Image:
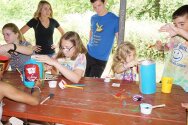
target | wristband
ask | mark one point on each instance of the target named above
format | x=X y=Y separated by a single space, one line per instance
x=33 y=89
x=15 y=47
x=13 y=50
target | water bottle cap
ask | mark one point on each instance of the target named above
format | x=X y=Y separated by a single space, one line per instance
x=147 y=62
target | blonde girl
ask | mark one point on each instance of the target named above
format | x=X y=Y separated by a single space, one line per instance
x=124 y=62
x=70 y=60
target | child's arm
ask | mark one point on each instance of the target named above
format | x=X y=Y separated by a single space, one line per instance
x=130 y=64
x=174 y=31
x=119 y=68
x=125 y=66
x=72 y=75
x=27 y=50
x=160 y=47
x=15 y=94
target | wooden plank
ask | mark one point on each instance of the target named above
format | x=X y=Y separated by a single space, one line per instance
x=122 y=14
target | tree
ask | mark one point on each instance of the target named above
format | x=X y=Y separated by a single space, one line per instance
x=153 y=9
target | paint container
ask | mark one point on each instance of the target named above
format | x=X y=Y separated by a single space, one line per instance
x=138 y=98
x=52 y=84
x=147 y=76
x=146 y=108
x=4 y=61
x=107 y=79
x=167 y=84
x=33 y=70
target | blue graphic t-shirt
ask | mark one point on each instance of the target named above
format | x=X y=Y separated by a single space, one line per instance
x=103 y=30
x=177 y=63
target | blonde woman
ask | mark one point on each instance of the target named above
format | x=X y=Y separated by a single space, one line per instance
x=43 y=24
x=124 y=62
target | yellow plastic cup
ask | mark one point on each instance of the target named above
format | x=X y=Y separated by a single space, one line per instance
x=167 y=84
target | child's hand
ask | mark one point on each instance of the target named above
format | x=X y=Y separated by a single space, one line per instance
x=170 y=28
x=38 y=83
x=37 y=48
x=133 y=63
x=53 y=46
x=47 y=67
x=158 y=45
x=45 y=59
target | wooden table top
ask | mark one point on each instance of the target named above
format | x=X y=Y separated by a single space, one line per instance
x=97 y=105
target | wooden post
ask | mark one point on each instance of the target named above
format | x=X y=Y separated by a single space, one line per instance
x=122 y=15
x=186 y=116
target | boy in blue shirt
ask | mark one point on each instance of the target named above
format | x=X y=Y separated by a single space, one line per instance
x=104 y=28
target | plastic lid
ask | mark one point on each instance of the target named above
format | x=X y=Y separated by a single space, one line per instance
x=147 y=62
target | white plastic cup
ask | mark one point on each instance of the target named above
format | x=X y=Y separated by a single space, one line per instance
x=107 y=79
x=145 y=108
x=52 y=84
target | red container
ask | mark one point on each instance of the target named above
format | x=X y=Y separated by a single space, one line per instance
x=4 y=61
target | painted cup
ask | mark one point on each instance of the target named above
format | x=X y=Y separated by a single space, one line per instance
x=167 y=84
x=145 y=108
x=52 y=84
x=4 y=61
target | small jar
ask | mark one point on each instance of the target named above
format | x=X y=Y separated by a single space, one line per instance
x=107 y=79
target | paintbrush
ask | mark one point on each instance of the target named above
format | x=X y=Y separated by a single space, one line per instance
x=20 y=73
x=78 y=84
x=48 y=79
x=151 y=46
x=72 y=86
x=51 y=95
x=119 y=93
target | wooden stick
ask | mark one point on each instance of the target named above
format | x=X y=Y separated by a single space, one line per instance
x=20 y=73
x=187 y=116
x=49 y=96
x=151 y=46
x=45 y=100
x=158 y=106
x=47 y=79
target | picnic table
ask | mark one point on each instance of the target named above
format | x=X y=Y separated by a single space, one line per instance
x=98 y=103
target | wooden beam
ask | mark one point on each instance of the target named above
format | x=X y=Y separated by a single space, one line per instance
x=122 y=15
